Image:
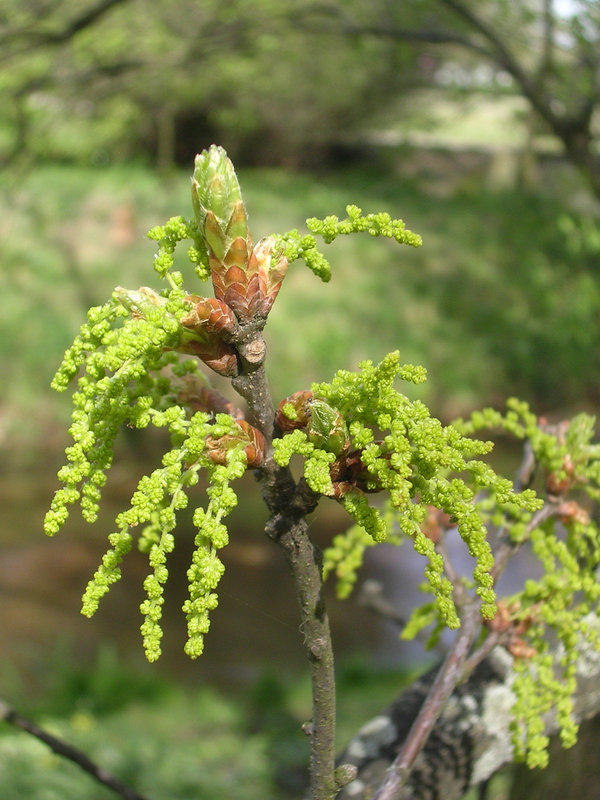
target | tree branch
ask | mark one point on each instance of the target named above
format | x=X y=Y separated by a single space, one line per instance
x=304 y=561
x=445 y=682
x=572 y=129
x=531 y=87
x=508 y=548
x=37 y=38
x=289 y=503
x=471 y=740
x=371 y=597
x=62 y=748
x=345 y=26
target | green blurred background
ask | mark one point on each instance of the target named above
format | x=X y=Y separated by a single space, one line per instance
x=414 y=108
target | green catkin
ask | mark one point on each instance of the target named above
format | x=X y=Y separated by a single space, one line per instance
x=412 y=461
x=344 y=558
x=206 y=569
x=294 y=245
x=123 y=382
x=560 y=601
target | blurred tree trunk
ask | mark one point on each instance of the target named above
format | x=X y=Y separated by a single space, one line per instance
x=561 y=83
x=18 y=152
x=527 y=162
x=165 y=138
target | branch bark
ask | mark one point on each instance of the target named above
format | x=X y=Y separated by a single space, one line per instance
x=471 y=740
x=34 y=37
x=444 y=684
x=289 y=503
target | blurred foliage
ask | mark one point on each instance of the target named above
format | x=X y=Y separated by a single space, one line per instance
x=70 y=685
x=167 y=78
x=167 y=741
x=107 y=80
x=163 y=740
x=187 y=747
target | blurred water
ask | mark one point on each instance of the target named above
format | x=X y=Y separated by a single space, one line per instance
x=255 y=626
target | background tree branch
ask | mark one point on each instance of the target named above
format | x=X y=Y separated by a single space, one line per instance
x=9 y=715
x=471 y=740
x=33 y=37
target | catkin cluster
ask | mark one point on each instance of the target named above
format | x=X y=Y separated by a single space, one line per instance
x=359 y=437
x=130 y=376
x=394 y=446
x=562 y=603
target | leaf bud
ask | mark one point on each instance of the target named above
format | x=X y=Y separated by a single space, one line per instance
x=327 y=428
x=242 y=433
x=270 y=275
x=217 y=201
x=294 y=411
x=209 y=314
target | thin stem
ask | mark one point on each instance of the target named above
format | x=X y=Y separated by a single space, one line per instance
x=304 y=561
x=507 y=548
x=289 y=503
x=252 y=383
x=62 y=748
x=448 y=676
x=493 y=639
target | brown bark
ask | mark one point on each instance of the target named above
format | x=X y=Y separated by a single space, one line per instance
x=289 y=503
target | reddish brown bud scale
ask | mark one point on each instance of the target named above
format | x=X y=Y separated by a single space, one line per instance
x=253 y=442
x=256 y=447
x=216 y=354
x=269 y=289
x=511 y=629
x=435 y=523
x=253 y=295
x=342 y=488
x=559 y=484
x=300 y=401
x=203 y=398
x=231 y=287
x=213 y=315
x=270 y=277
x=502 y=619
x=518 y=648
x=570 y=511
